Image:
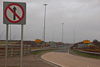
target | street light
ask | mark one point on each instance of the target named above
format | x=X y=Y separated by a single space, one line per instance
x=62 y=32
x=74 y=33
x=44 y=21
x=74 y=36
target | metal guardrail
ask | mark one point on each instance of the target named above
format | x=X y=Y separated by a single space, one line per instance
x=14 y=50
x=89 y=52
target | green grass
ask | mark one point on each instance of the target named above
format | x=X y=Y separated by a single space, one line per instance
x=85 y=54
x=4 y=42
x=8 y=42
x=39 y=52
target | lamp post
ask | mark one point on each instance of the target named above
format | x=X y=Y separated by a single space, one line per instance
x=62 y=32
x=74 y=36
x=44 y=22
x=74 y=33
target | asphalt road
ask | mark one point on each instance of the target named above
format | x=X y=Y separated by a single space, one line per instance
x=63 y=49
x=68 y=60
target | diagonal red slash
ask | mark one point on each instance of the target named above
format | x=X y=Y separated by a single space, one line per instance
x=14 y=13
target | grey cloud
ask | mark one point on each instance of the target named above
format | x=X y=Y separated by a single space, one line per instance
x=81 y=16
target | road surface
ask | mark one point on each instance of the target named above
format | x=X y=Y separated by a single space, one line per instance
x=67 y=60
x=28 y=61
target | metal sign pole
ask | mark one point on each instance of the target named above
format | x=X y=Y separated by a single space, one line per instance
x=21 y=55
x=6 y=47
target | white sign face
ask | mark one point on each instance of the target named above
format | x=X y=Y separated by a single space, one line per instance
x=14 y=13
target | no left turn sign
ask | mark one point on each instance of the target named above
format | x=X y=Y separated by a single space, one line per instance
x=14 y=13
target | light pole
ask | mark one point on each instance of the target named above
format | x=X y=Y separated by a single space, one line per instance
x=62 y=32
x=74 y=36
x=74 y=33
x=44 y=22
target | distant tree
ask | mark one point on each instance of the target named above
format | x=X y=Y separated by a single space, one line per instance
x=95 y=41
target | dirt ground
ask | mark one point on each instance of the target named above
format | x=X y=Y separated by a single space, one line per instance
x=68 y=60
x=28 y=61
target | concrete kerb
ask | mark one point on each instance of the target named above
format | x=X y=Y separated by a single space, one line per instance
x=50 y=62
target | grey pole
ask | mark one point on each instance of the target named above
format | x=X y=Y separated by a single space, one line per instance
x=44 y=23
x=62 y=32
x=10 y=32
x=21 y=53
x=0 y=34
x=74 y=36
x=6 y=47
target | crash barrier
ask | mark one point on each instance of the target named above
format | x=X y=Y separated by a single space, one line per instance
x=89 y=52
x=14 y=50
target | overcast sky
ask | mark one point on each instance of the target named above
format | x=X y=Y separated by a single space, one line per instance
x=81 y=20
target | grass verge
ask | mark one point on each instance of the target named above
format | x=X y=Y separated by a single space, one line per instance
x=40 y=52
x=76 y=52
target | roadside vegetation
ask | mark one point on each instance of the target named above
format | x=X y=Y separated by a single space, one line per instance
x=40 y=52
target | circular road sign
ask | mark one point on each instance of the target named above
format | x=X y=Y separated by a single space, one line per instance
x=14 y=13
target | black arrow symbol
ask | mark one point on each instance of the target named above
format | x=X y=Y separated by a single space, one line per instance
x=14 y=17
